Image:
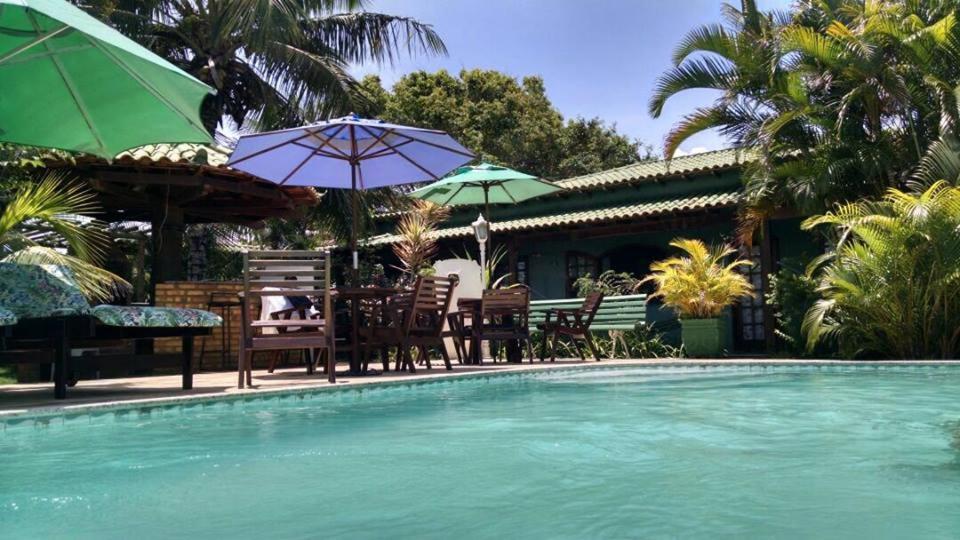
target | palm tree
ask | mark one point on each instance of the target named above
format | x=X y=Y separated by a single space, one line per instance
x=273 y=63
x=741 y=61
x=56 y=213
x=890 y=288
x=838 y=100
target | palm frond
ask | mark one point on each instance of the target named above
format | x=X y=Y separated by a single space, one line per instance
x=700 y=73
x=97 y=284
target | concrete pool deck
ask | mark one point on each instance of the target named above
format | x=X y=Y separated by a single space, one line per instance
x=36 y=400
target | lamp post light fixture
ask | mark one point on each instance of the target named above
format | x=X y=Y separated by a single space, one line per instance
x=481 y=229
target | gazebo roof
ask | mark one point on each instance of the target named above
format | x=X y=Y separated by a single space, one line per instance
x=193 y=177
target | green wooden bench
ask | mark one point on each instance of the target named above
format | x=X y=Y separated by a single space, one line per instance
x=615 y=312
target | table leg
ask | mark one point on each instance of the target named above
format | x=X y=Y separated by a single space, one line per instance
x=187 y=367
x=476 y=357
x=355 y=367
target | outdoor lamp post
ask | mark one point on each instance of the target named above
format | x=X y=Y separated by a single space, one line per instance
x=481 y=229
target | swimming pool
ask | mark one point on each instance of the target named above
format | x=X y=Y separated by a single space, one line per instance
x=625 y=452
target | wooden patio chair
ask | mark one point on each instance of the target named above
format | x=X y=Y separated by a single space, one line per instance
x=504 y=316
x=574 y=324
x=382 y=327
x=423 y=321
x=295 y=313
x=274 y=269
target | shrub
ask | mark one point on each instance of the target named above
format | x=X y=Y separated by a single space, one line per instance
x=790 y=296
x=642 y=342
x=700 y=285
x=891 y=288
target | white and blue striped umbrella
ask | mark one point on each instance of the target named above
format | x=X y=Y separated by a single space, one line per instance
x=350 y=153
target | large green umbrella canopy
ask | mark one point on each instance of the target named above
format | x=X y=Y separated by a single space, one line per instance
x=72 y=82
x=484 y=184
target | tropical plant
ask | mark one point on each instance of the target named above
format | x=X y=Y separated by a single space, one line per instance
x=891 y=288
x=276 y=63
x=701 y=284
x=488 y=273
x=791 y=294
x=44 y=218
x=417 y=247
x=608 y=282
x=836 y=100
x=740 y=60
x=642 y=342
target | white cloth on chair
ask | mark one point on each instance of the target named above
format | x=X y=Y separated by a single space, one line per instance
x=273 y=304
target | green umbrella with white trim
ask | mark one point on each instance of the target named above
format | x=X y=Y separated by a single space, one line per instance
x=484 y=184
x=71 y=82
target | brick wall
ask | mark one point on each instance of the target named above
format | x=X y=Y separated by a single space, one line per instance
x=196 y=294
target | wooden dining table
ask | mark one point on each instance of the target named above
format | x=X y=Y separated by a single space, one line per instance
x=354 y=295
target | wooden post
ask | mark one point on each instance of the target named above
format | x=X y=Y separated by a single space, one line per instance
x=512 y=257
x=187 y=344
x=167 y=228
x=62 y=359
x=139 y=277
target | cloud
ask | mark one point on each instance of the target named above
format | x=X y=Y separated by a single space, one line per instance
x=695 y=150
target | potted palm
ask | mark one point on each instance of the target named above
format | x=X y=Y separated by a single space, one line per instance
x=699 y=286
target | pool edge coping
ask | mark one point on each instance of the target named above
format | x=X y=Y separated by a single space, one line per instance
x=48 y=412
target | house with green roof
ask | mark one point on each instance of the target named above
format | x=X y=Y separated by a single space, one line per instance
x=623 y=219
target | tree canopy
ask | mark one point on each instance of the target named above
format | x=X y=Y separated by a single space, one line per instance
x=505 y=121
x=274 y=64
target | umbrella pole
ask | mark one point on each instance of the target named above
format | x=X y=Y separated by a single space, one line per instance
x=355 y=271
x=486 y=211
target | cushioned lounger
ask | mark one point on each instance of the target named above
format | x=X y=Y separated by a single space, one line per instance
x=48 y=310
x=7 y=317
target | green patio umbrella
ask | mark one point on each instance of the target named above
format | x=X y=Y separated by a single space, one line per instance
x=73 y=83
x=484 y=184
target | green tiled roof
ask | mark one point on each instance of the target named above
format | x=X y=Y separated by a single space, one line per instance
x=187 y=153
x=652 y=170
x=632 y=211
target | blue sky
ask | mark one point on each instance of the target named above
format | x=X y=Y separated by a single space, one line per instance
x=597 y=58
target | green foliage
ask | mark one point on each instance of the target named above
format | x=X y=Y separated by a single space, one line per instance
x=610 y=283
x=504 y=121
x=838 y=99
x=891 y=289
x=44 y=215
x=700 y=284
x=642 y=342
x=791 y=295
x=417 y=247
x=488 y=273
x=273 y=64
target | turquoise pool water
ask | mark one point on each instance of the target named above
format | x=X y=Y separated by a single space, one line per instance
x=607 y=453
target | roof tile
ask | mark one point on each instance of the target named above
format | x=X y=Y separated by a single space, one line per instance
x=186 y=153
x=644 y=209
x=652 y=170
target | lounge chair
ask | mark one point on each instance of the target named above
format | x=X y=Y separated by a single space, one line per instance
x=53 y=317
